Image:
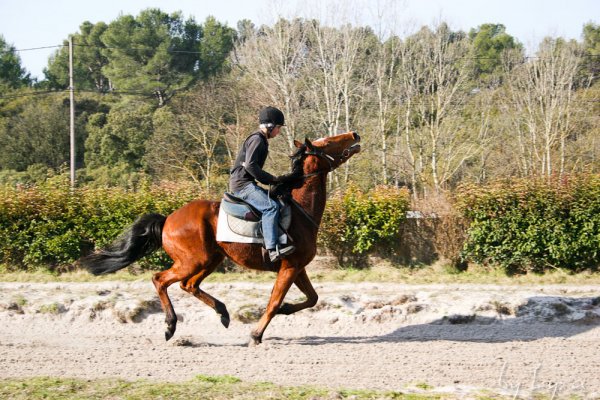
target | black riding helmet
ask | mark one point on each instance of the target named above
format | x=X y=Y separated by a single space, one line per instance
x=271 y=115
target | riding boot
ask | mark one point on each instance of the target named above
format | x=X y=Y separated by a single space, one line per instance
x=278 y=253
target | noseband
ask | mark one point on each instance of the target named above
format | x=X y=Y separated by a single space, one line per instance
x=331 y=160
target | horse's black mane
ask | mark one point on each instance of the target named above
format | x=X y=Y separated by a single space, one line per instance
x=297 y=169
x=299 y=153
x=297 y=160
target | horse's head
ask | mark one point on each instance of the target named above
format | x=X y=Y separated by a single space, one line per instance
x=325 y=154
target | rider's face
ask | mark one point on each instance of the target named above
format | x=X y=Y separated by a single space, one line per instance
x=276 y=131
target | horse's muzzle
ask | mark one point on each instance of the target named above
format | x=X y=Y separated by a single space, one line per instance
x=355 y=148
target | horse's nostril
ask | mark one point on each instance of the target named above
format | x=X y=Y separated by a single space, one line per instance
x=356 y=137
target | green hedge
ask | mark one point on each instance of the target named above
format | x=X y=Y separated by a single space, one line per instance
x=358 y=223
x=49 y=226
x=522 y=225
x=534 y=224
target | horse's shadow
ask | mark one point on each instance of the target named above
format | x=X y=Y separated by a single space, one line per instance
x=540 y=317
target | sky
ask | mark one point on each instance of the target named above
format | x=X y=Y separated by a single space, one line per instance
x=30 y=24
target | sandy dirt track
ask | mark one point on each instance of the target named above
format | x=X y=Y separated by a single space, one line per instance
x=455 y=338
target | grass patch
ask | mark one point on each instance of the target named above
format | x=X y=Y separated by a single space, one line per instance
x=41 y=276
x=249 y=313
x=52 y=308
x=381 y=272
x=424 y=386
x=21 y=301
x=433 y=274
x=204 y=387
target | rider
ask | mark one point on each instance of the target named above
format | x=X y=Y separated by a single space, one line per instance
x=248 y=169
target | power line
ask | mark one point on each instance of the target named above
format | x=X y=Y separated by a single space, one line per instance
x=108 y=47
x=199 y=52
x=40 y=48
x=137 y=48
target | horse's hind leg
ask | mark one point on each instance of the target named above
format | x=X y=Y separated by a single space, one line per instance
x=192 y=286
x=306 y=287
x=162 y=281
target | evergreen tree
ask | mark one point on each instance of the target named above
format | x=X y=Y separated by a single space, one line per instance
x=489 y=42
x=591 y=47
x=152 y=54
x=88 y=61
x=39 y=134
x=11 y=73
x=215 y=46
x=119 y=137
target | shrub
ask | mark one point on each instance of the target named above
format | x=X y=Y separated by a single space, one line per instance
x=534 y=224
x=437 y=231
x=358 y=223
x=49 y=226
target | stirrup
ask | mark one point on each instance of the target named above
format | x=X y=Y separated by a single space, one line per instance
x=279 y=253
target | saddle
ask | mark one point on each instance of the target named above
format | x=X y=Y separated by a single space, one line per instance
x=239 y=221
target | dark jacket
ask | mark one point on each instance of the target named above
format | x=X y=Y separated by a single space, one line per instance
x=249 y=163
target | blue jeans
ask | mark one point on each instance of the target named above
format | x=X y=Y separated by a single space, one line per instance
x=269 y=208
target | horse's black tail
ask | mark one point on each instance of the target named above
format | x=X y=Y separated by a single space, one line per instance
x=139 y=240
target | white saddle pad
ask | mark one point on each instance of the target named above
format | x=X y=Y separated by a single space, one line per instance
x=225 y=234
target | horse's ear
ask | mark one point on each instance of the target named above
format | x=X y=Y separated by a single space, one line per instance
x=298 y=144
x=308 y=144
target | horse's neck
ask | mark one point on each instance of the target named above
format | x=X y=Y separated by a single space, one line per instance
x=312 y=196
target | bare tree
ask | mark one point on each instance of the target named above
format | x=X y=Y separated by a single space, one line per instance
x=411 y=74
x=191 y=141
x=333 y=59
x=541 y=105
x=482 y=123
x=335 y=84
x=434 y=74
x=273 y=58
x=383 y=71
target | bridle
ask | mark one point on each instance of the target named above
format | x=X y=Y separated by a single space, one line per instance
x=331 y=159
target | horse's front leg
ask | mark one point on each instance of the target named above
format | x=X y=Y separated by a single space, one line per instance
x=306 y=287
x=285 y=277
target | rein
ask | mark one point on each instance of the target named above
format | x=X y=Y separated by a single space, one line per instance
x=304 y=212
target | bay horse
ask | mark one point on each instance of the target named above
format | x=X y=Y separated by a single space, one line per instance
x=188 y=236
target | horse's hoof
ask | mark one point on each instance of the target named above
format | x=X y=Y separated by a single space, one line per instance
x=225 y=320
x=169 y=332
x=255 y=340
x=222 y=311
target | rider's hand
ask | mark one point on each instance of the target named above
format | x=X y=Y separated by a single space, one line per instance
x=285 y=178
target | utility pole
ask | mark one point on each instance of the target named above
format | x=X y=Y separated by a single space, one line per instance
x=72 y=106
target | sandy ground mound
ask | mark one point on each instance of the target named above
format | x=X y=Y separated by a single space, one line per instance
x=455 y=338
